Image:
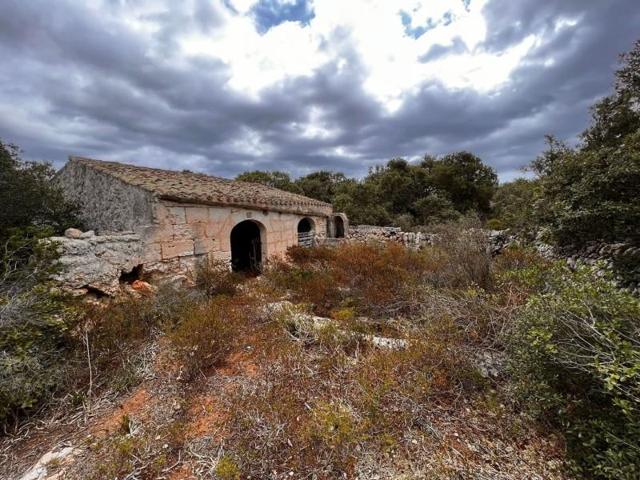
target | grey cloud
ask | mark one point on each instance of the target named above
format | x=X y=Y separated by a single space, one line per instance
x=73 y=83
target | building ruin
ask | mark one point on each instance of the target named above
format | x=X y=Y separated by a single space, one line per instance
x=163 y=222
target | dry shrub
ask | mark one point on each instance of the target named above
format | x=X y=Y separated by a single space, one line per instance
x=307 y=283
x=465 y=256
x=378 y=278
x=318 y=405
x=372 y=279
x=214 y=277
x=207 y=332
x=398 y=388
x=322 y=255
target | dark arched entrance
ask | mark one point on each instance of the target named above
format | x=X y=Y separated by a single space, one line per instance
x=246 y=247
x=339 y=226
x=305 y=232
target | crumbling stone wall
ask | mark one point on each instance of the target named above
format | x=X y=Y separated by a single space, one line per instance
x=179 y=237
x=95 y=262
x=385 y=234
x=108 y=204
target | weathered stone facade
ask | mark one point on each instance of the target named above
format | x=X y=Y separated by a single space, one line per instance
x=176 y=219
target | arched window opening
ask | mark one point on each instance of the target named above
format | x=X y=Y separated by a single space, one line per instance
x=246 y=248
x=306 y=232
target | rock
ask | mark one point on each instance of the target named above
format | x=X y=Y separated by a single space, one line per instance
x=142 y=286
x=72 y=233
x=96 y=262
x=40 y=470
x=87 y=234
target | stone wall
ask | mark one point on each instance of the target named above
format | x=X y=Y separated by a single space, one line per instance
x=108 y=204
x=385 y=234
x=95 y=262
x=184 y=230
x=181 y=235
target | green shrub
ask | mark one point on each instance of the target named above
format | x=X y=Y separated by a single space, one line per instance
x=575 y=358
x=34 y=327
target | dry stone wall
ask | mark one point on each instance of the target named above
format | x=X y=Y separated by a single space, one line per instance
x=95 y=262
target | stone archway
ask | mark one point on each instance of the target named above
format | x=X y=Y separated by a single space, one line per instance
x=306 y=232
x=247 y=244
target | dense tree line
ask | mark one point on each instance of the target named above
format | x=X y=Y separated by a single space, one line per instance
x=409 y=194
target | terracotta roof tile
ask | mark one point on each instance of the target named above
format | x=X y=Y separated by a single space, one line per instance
x=189 y=187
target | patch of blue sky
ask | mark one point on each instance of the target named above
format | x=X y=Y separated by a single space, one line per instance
x=417 y=31
x=270 y=13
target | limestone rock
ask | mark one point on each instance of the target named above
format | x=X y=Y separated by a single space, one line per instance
x=72 y=233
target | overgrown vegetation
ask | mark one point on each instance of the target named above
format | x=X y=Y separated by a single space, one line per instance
x=575 y=357
x=34 y=320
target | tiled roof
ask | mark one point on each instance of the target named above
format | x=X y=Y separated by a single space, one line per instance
x=189 y=187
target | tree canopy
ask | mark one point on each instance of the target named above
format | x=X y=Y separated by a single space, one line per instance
x=433 y=190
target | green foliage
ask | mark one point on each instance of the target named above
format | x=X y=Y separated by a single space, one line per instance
x=34 y=329
x=434 y=208
x=513 y=206
x=433 y=191
x=322 y=185
x=575 y=358
x=28 y=196
x=591 y=192
x=273 y=179
x=468 y=183
x=227 y=469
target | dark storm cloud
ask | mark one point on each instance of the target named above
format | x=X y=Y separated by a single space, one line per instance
x=76 y=82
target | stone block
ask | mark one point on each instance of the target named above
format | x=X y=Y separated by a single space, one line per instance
x=183 y=231
x=177 y=248
x=170 y=214
x=203 y=245
x=197 y=214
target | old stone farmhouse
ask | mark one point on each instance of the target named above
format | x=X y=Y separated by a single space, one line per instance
x=162 y=221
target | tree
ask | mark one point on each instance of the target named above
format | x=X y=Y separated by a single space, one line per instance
x=513 y=205
x=275 y=179
x=29 y=197
x=321 y=185
x=467 y=181
x=592 y=192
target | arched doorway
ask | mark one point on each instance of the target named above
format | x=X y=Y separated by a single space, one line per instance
x=339 y=222
x=246 y=247
x=306 y=231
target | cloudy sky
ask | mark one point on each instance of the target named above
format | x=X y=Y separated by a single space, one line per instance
x=224 y=86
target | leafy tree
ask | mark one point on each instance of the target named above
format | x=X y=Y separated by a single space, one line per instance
x=28 y=196
x=434 y=208
x=591 y=192
x=33 y=323
x=513 y=205
x=468 y=183
x=321 y=185
x=275 y=179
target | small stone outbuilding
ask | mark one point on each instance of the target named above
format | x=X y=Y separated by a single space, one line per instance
x=165 y=221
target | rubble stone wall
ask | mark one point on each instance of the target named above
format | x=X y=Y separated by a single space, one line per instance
x=95 y=262
x=108 y=204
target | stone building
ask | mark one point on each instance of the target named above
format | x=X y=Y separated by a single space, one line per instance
x=166 y=220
